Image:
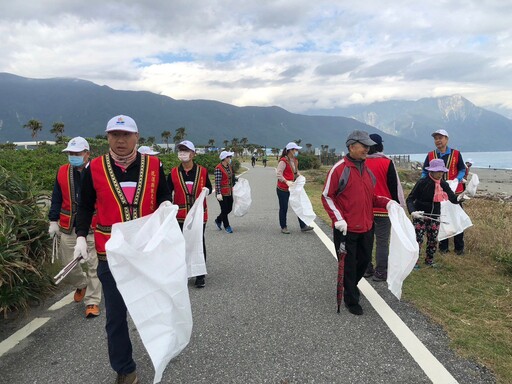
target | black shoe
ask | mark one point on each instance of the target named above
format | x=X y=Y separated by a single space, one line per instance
x=355 y=309
x=369 y=272
x=306 y=228
x=459 y=252
x=200 y=283
x=444 y=250
x=380 y=276
x=219 y=224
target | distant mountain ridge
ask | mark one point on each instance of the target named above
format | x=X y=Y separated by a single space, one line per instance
x=470 y=127
x=85 y=107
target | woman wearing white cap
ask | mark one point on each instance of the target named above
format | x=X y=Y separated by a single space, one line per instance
x=224 y=181
x=65 y=198
x=287 y=171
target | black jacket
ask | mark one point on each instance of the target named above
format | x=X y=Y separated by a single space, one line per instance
x=421 y=197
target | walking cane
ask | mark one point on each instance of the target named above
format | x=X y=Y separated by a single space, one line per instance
x=67 y=269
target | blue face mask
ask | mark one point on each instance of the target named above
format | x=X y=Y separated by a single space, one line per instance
x=76 y=161
x=296 y=153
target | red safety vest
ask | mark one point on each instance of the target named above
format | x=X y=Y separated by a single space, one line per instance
x=380 y=167
x=287 y=173
x=182 y=198
x=226 y=186
x=111 y=204
x=68 y=208
x=452 y=165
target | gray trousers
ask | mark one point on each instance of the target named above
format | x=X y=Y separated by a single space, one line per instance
x=382 y=233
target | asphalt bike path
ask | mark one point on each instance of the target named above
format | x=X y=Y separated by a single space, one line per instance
x=266 y=315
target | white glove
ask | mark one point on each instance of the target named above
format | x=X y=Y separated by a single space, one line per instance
x=341 y=226
x=463 y=181
x=417 y=214
x=165 y=203
x=390 y=203
x=289 y=183
x=53 y=229
x=219 y=196
x=81 y=248
x=462 y=197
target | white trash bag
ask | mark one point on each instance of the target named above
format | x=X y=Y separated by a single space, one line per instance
x=193 y=234
x=241 y=197
x=147 y=259
x=299 y=201
x=472 y=185
x=453 y=220
x=403 y=249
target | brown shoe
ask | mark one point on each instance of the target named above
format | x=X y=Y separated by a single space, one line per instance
x=79 y=294
x=285 y=231
x=130 y=378
x=92 y=310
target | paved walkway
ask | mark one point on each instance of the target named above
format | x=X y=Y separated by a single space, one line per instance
x=266 y=315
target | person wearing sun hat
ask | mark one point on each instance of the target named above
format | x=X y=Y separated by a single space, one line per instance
x=186 y=182
x=65 y=197
x=287 y=172
x=349 y=198
x=453 y=161
x=145 y=150
x=224 y=182
x=121 y=185
x=424 y=205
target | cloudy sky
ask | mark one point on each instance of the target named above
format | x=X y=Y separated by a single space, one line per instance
x=301 y=55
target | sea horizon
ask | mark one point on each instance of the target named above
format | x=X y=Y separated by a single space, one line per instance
x=490 y=160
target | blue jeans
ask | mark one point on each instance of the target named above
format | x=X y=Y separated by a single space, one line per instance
x=283 y=197
x=119 y=344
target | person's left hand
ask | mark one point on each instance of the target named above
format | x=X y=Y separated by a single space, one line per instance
x=166 y=204
x=462 y=197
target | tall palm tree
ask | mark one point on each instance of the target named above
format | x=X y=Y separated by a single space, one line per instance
x=298 y=141
x=211 y=143
x=226 y=142
x=165 y=138
x=180 y=135
x=151 y=140
x=243 y=143
x=58 y=130
x=35 y=126
x=234 y=144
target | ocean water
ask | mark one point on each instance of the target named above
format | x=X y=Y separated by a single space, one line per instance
x=498 y=160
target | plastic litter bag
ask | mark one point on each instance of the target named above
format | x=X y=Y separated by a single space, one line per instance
x=472 y=185
x=453 y=220
x=299 y=201
x=403 y=249
x=241 y=197
x=193 y=234
x=147 y=259
x=453 y=184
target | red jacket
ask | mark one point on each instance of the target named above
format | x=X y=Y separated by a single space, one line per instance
x=356 y=201
x=380 y=167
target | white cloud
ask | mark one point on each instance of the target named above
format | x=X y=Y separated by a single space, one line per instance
x=296 y=54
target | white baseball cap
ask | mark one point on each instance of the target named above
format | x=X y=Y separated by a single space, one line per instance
x=121 y=123
x=77 y=144
x=292 y=145
x=440 y=132
x=225 y=154
x=187 y=144
x=145 y=150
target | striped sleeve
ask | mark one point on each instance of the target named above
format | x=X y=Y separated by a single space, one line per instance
x=329 y=192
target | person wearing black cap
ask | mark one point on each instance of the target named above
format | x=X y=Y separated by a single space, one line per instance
x=349 y=198
x=388 y=185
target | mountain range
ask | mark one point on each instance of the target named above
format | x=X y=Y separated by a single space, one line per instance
x=85 y=107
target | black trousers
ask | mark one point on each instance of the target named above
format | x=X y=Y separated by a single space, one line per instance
x=359 y=248
x=226 y=206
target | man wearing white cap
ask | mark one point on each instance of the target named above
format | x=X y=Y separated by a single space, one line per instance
x=452 y=159
x=224 y=182
x=186 y=182
x=287 y=172
x=121 y=185
x=65 y=198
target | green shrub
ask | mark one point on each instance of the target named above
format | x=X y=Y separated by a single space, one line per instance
x=308 y=161
x=24 y=244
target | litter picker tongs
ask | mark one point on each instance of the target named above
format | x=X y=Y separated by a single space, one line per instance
x=67 y=269
x=433 y=217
